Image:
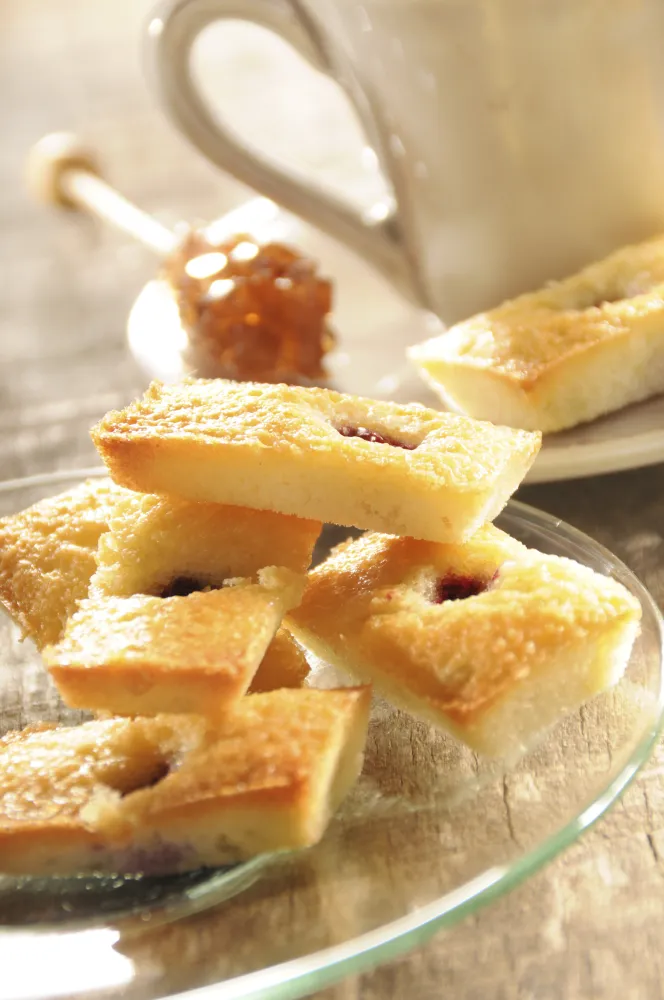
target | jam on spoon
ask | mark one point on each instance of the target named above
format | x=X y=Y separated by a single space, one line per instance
x=252 y=311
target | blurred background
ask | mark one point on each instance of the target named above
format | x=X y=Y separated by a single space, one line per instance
x=66 y=283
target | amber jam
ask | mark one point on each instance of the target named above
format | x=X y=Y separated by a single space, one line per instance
x=456 y=588
x=374 y=436
x=251 y=311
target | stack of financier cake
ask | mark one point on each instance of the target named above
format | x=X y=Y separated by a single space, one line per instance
x=158 y=600
x=160 y=615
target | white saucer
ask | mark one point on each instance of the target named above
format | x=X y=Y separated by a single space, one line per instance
x=374 y=325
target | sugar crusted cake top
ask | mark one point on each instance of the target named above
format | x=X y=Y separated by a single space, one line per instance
x=48 y=773
x=268 y=741
x=450 y=447
x=216 y=631
x=152 y=540
x=273 y=742
x=380 y=592
x=525 y=337
x=48 y=554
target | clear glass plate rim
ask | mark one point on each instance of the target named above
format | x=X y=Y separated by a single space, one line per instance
x=298 y=977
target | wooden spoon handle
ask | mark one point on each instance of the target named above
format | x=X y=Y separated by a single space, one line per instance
x=62 y=171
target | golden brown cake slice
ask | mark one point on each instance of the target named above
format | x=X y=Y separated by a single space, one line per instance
x=277 y=770
x=47 y=556
x=49 y=774
x=159 y=795
x=145 y=655
x=165 y=546
x=316 y=454
x=562 y=356
x=283 y=666
x=488 y=639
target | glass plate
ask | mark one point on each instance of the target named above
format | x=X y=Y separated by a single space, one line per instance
x=430 y=833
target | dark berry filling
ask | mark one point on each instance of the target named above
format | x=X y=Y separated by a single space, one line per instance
x=456 y=588
x=182 y=586
x=367 y=435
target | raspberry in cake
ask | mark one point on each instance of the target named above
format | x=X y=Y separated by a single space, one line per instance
x=489 y=640
x=317 y=454
x=47 y=556
x=561 y=356
x=165 y=795
x=146 y=655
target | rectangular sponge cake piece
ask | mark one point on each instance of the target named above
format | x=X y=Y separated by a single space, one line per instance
x=48 y=556
x=155 y=544
x=559 y=357
x=165 y=795
x=490 y=640
x=317 y=454
x=146 y=655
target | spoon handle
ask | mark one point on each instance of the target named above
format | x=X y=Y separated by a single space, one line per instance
x=62 y=171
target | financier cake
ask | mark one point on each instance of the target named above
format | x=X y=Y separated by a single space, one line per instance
x=164 y=795
x=487 y=639
x=146 y=655
x=316 y=454
x=150 y=639
x=47 y=556
x=151 y=655
x=164 y=546
x=561 y=356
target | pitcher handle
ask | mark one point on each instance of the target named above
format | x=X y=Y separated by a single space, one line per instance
x=171 y=35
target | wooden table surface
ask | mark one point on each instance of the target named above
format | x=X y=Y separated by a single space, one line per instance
x=589 y=925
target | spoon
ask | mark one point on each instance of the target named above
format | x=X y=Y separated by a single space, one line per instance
x=234 y=307
x=63 y=171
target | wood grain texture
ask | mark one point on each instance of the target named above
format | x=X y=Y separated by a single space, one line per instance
x=589 y=925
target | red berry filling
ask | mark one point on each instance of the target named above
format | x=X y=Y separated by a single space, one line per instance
x=456 y=588
x=367 y=435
